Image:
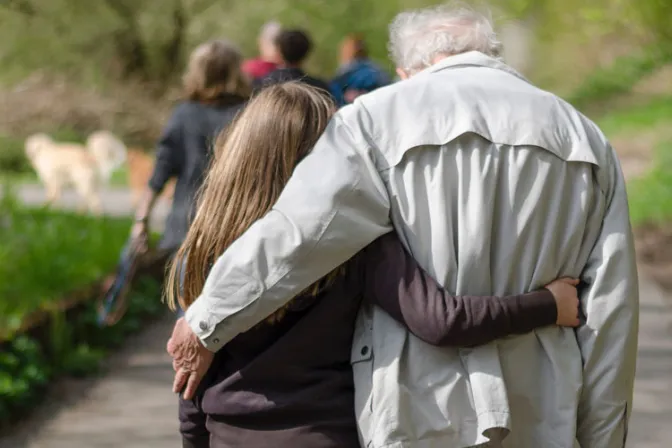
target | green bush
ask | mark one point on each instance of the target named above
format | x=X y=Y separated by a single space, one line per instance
x=12 y=156
x=74 y=347
x=46 y=254
x=620 y=77
x=650 y=197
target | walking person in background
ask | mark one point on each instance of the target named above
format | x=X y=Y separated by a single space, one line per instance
x=288 y=382
x=269 y=56
x=294 y=47
x=215 y=90
x=495 y=186
x=357 y=74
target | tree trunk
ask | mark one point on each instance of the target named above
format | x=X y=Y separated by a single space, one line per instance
x=173 y=49
x=129 y=46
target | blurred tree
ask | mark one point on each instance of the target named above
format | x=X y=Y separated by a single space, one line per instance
x=143 y=40
x=148 y=40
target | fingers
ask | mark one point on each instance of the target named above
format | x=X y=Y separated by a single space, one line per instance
x=577 y=321
x=170 y=347
x=570 y=280
x=181 y=378
x=192 y=385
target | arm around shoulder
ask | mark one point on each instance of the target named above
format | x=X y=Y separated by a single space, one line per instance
x=333 y=206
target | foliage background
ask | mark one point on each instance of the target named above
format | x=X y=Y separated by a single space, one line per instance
x=82 y=64
x=73 y=66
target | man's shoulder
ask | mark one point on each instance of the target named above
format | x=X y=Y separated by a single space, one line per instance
x=435 y=109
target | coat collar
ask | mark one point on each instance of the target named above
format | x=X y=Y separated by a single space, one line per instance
x=471 y=59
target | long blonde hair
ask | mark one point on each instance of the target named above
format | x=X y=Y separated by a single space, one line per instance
x=214 y=70
x=252 y=162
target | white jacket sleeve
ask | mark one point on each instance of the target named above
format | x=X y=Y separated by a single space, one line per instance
x=608 y=340
x=334 y=205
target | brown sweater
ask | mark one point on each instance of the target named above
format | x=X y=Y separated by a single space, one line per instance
x=289 y=384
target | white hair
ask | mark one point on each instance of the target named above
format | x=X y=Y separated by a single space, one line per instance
x=270 y=31
x=418 y=37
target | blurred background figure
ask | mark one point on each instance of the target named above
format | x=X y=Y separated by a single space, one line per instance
x=269 y=56
x=294 y=47
x=215 y=89
x=357 y=74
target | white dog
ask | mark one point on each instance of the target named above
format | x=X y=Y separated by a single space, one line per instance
x=109 y=152
x=84 y=167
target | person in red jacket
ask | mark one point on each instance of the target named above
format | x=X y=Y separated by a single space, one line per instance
x=269 y=55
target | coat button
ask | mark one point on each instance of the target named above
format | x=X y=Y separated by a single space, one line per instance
x=216 y=340
x=364 y=350
x=203 y=325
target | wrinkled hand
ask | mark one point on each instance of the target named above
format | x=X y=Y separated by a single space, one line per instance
x=191 y=359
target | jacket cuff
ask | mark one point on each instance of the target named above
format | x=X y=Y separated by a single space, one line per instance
x=203 y=324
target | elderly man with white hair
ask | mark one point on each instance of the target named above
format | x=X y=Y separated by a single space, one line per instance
x=496 y=187
x=269 y=54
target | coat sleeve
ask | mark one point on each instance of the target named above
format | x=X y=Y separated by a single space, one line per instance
x=608 y=340
x=395 y=282
x=333 y=206
x=169 y=153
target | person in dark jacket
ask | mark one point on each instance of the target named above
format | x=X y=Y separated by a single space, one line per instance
x=287 y=382
x=214 y=91
x=294 y=47
x=357 y=74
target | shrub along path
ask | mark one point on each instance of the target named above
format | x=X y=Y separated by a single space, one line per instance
x=132 y=405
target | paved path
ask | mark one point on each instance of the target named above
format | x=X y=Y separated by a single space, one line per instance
x=651 y=424
x=132 y=406
x=116 y=202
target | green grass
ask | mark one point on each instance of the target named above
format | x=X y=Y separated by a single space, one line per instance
x=638 y=118
x=74 y=345
x=650 y=196
x=46 y=254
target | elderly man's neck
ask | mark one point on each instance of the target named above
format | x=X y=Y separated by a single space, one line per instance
x=405 y=74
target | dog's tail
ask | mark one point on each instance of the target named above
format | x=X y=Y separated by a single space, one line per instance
x=108 y=151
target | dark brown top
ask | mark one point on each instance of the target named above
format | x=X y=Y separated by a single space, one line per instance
x=290 y=384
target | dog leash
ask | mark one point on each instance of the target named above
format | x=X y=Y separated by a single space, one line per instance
x=114 y=301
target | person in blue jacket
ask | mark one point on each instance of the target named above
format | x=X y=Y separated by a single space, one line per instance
x=357 y=74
